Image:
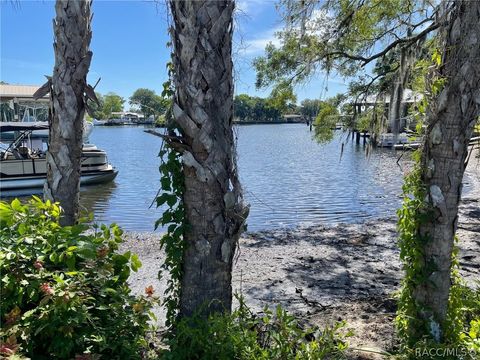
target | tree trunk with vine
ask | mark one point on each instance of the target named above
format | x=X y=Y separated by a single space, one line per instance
x=450 y=122
x=203 y=111
x=68 y=87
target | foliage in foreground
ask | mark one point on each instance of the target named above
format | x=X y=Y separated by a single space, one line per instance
x=462 y=327
x=244 y=335
x=464 y=339
x=64 y=289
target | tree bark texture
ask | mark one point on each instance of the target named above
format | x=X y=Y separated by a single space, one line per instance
x=203 y=110
x=72 y=61
x=450 y=123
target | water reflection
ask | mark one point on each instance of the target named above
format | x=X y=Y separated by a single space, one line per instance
x=127 y=200
x=291 y=179
x=97 y=198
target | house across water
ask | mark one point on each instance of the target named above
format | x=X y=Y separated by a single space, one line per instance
x=17 y=103
x=126 y=117
x=410 y=101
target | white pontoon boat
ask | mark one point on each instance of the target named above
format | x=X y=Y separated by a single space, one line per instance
x=23 y=161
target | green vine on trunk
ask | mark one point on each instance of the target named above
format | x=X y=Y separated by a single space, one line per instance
x=414 y=212
x=172 y=242
x=173 y=218
x=414 y=329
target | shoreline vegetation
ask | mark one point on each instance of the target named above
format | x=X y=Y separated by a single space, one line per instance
x=326 y=273
x=301 y=121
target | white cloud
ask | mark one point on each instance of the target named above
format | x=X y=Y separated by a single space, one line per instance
x=256 y=46
x=242 y=6
x=317 y=24
x=251 y=7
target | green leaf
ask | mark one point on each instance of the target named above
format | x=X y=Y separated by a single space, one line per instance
x=86 y=253
x=136 y=263
x=172 y=200
x=162 y=199
x=117 y=231
x=70 y=262
x=16 y=205
x=165 y=183
x=22 y=228
x=110 y=291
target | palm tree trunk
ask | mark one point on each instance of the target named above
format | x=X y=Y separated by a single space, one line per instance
x=203 y=110
x=72 y=61
x=451 y=119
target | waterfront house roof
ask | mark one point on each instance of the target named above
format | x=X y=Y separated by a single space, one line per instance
x=409 y=96
x=127 y=114
x=10 y=91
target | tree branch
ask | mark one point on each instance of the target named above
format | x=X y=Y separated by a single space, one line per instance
x=366 y=60
x=372 y=81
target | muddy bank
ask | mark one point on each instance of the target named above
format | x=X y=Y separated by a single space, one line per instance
x=326 y=273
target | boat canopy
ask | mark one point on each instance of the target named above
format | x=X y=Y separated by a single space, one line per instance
x=22 y=126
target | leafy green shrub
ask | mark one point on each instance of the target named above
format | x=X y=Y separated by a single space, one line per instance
x=471 y=338
x=243 y=335
x=64 y=289
x=462 y=341
x=469 y=300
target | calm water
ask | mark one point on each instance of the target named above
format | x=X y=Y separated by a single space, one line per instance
x=288 y=178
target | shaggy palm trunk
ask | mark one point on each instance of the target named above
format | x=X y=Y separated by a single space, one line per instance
x=72 y=61
x=203 y=110
x=451 y=119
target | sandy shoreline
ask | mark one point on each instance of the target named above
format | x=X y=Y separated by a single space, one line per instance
x=326 y=273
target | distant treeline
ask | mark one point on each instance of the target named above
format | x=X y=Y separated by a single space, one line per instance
x=145 y=101
x=256 y=109
x=252 y=108
x=247 y=108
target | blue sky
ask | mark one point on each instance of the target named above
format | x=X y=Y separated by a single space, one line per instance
x=129 y=45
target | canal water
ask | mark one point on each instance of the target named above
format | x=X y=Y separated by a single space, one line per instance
x=289 y=179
